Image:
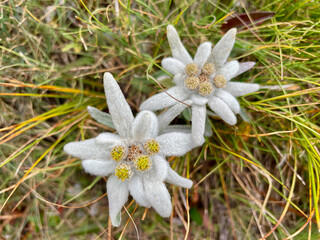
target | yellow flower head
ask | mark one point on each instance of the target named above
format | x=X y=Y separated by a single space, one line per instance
x=192 y=83
x=208 y=68
x=192 y=69
x=151 y=146
x=205 y=89
x=142 y=162
x=219 y=81
x=118 y=153
x=123 y=171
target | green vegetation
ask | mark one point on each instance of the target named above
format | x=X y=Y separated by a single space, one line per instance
x=260 y=178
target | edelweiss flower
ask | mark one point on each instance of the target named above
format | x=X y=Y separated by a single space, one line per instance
x=204 y=79
x=135 y=157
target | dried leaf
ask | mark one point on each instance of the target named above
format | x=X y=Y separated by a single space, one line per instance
x=242 y=21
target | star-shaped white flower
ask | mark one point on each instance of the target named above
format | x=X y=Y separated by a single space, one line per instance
x=135 y=157
x=202 y=80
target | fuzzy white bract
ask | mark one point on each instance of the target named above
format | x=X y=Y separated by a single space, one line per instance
x=201 y=81
x=134 y=157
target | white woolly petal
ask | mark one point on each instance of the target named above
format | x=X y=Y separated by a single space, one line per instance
x=223 y=111
x=278 y=87
x=160 y=165
x=145 y=126
x=137 y=191
x=176 y=179
x=177 y=128
x=243 y=67
x=199 y=100
x=118 y=107
x=108 y=139
x=178 y=50
x=229 y=70
x=157 y=195
x=175 y=143
x=88 y=149
x=173 y=65
x=101 y=117
x=222 y=49
x=99 y=168
x=202 y=54
x=207 y=129
x=229 y=99
x=166 y=117
x=238 y=89
x=117 y=195
x=179 y=78
x=165 y=99
x=198 y=123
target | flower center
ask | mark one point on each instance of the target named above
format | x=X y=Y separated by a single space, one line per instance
x=220 y=81
x=134 y=158
x=203 y=78
x=133 y=151
x=151 y=147
x=199 y=79
x=118 y=153
x=192 y=69
x=142 y=162
x=123 y=171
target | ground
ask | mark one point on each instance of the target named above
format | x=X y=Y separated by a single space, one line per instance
x=257 y=179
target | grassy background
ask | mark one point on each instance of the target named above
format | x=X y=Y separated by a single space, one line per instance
x=257 y=179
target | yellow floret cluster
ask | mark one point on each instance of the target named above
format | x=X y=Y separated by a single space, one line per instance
x=192 y=69
x=220 y=81
x=118 y=153
x=151 y=147
x=123 y=171
x=205 y=89
x=142 y=162
x=208 y=69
